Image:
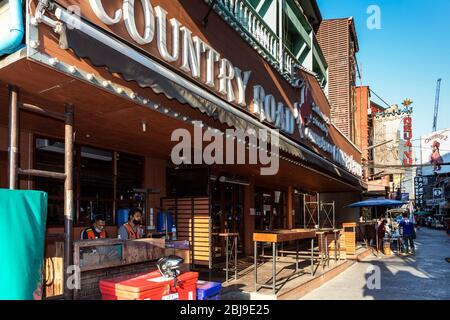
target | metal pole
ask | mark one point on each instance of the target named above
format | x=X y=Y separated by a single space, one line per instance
x=296 y=256
x=334 y=215
x=335 y=246
x=68 y=199
x=274 y=267
x=318 y=209
x=226 y=256
x=255 y=252
x=13 y=150
x=312 y=256
x=235 y=256
x=304 y=211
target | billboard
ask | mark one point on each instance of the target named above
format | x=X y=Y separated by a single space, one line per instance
x=435 y=150
x=387 y=127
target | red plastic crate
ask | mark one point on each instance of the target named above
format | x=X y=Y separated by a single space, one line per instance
x=149 y=286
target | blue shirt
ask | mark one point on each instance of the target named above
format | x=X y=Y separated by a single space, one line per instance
x=408 y=227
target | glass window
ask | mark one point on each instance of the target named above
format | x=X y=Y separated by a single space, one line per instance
x=96 y=184
x=130 y=171
x=49 y=155
x=93 y=180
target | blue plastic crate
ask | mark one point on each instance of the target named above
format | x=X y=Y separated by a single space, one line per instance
x=207 y=290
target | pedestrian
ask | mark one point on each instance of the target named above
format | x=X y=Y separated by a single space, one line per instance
x=380 y=234
x=408 y=234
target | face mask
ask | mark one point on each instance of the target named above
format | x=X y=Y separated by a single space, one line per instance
x=137 y=221
x=98 y=229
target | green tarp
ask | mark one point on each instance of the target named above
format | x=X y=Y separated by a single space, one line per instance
x=22 y=240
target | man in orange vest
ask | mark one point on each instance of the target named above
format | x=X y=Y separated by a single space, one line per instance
x=97 y=231
x=131 y=230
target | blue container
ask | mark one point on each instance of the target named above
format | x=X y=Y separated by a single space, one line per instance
x=122 y=216
x=207 y=290
x=161 y=221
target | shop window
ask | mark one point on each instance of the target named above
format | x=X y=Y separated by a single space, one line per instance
x=299 y=210
x=270 y=208
x=227 y=213
x=187 y=182
x=49 y=156
x=130 y=172
x=94 y=182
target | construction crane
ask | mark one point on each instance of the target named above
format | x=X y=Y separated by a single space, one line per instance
x=436 y=104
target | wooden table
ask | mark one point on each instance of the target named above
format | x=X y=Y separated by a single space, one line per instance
x=280 y=236
x=229 y=249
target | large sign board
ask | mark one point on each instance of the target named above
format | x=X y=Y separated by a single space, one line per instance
x=407 y=136
x=160 y=28
x=387 y=136
x=435 y=152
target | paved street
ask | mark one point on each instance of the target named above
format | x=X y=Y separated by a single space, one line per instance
x=425 y=276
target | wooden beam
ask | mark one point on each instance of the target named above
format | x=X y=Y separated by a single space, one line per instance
x=41 y=173
x=290 y=207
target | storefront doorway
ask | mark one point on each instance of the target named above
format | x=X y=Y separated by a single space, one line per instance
x=270 y=209
x=227 y=212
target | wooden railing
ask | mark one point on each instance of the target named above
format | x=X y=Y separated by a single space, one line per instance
x=240 y=14
x=249 y=24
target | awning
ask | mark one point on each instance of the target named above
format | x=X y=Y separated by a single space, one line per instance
x=376 y=202
x=104 y=50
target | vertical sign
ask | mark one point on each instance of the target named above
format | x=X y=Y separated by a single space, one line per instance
x=418 y=186
x=407 y=136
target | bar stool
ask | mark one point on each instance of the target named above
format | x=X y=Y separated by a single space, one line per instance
x=231 y=250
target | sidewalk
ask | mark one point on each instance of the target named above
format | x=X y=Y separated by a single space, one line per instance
x=424 y=276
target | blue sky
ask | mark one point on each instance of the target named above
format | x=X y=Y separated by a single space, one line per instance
x=406 y=56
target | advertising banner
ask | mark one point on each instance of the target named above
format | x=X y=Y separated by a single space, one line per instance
x=435 y=151
x=387 y=128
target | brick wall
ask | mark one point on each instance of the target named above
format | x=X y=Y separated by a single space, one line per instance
x=90 y=279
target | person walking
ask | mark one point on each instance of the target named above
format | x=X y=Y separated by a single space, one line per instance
x=408 y=234
x=380 y=235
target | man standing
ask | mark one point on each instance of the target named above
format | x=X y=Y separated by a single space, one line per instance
x=380 y=234
x=131 y=230
x=408 y=234
x=97 y=231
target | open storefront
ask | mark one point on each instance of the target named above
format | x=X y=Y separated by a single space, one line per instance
x=128 y=97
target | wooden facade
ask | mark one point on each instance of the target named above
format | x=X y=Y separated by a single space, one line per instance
x=337 y=38
x=115 y=120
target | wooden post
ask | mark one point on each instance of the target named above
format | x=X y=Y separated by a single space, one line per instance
x=290 y=207
x=68 y=200
x=249 y=220
x=13 y=150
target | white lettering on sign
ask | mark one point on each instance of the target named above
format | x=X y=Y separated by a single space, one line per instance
x=212 y=56
x=228 y=81
x=130 y=21
x=242 y=81
x=191 y=53
x=161 y=17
